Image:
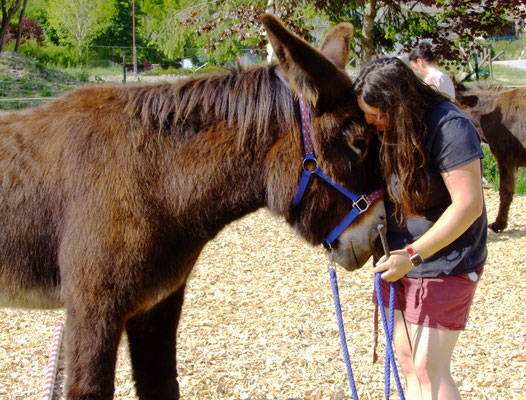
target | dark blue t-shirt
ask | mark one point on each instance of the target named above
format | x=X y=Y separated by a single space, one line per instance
x=452 y=141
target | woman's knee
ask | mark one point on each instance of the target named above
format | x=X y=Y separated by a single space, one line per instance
x=430 y=371
x=407 y=366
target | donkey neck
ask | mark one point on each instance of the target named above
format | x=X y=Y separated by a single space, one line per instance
x=219 y=156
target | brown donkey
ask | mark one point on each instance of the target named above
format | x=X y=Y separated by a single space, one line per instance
x=109 y=194
x=500 y=117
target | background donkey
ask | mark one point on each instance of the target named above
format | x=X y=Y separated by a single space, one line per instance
x=109 y=194
x=500 y=118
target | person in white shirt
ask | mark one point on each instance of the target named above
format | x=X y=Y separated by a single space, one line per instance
x=422 y=60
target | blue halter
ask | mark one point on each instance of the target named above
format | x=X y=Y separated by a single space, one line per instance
x=310 y=166
x=360 y=204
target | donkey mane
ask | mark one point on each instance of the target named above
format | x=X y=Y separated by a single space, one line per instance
x=461 y=87
x=253 y=100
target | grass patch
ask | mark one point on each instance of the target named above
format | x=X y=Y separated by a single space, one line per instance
x=491 y=172
x=84 y=73
x=507 y=76
x=512 y=48
x=520 y=182
x=24 y=77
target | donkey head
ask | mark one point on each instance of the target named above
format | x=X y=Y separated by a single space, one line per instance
x=343 y=149
x=464 y=97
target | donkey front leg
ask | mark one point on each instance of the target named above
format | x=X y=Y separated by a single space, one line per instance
x=92 y=335
x=152 y=341
x=506 y=191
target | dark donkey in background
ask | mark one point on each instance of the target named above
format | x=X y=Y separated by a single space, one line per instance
x=500 y=117
x=109 y=194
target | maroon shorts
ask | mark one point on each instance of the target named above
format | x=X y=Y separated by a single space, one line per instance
x=441 y=302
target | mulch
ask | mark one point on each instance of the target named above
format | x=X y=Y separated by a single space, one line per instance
x=259 y=323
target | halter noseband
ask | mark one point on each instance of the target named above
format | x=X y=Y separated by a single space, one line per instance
x=310 y=166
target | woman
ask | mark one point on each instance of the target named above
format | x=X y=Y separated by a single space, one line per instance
x=422 y=60
x=431 y=156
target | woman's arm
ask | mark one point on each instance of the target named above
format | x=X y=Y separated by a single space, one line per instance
x=464 y=185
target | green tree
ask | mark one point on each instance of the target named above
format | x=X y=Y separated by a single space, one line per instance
x=78 y=21
x=37 y=10
x=153 y=13
x=119 y=32
x=380 y=25
x=160 y=25
x=220 y=29
x=116 y=41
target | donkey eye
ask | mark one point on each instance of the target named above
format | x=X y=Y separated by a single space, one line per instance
x=355 y=139
x=359 y=146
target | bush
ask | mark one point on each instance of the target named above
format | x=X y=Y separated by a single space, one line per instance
x=164 y=71
x=82 y=75
x=51 y=54
x=166 y=64
x=31 y=29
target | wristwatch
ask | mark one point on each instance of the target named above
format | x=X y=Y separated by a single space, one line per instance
x=415 y=258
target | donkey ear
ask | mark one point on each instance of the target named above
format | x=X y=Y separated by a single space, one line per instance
x=468 y=101
x=336 y=44
x=319 y=77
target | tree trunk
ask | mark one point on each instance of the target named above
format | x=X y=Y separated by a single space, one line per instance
x=7 y=15
x=3 y=32
x=270 y=49
x=19 y=33
x=369 y=16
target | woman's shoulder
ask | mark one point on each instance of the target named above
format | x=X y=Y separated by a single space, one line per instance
x=450 y=133
x=443 y=112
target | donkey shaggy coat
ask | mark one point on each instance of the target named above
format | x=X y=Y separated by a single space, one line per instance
x=109 y=193
x=500 y=118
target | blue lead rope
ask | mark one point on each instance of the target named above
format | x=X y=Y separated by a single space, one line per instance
x=388 y=328
x=337 y=306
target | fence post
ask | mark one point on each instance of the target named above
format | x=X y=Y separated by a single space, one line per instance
x=123 y=69
x=490 y=61
x=476 y=65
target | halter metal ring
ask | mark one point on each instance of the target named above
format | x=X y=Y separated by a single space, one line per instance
x=310 y=164
x=362 y=204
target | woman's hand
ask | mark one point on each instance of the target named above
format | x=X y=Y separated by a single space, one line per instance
x=395 y=267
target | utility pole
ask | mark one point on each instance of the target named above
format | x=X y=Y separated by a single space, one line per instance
x=133 y=33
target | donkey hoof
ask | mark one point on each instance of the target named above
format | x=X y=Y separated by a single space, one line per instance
x=497 y=226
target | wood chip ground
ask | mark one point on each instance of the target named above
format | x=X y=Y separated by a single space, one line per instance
x=259 y=323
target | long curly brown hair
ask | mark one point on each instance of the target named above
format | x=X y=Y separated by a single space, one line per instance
x=391 y=86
